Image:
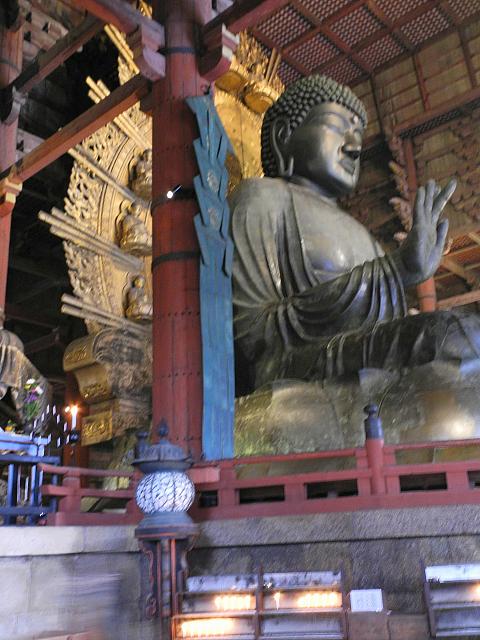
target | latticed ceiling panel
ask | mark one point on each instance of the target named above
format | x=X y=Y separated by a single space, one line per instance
x=463 y=8
x=314 y=52
x=344 y=71
x=395 y=10
x=284 y=26
x=356 y=26
x=287 y=73
x=323 y=9
x=425 y=26
x=373 y=33
x=380 y=52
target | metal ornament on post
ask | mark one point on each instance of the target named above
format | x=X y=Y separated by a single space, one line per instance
x=166 y=533
x=374 y=448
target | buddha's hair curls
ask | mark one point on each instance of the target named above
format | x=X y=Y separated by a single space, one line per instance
x=296 y=102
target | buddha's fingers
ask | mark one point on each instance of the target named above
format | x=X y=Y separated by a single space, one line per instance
x=442 y=231
x=429 y=196
x=443 y=197
x=419 y=210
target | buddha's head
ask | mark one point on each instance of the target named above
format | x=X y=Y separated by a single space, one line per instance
x=139 y=282
x=315 y=131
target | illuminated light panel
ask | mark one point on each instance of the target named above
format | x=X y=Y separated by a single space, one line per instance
x=276 y=597
x=319 y=600
x=235 y=602
x=206 y=628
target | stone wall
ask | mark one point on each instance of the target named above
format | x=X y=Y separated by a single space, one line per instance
x=374 y=549
x=59 y=580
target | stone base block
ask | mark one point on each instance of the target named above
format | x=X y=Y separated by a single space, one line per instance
x=367 y=625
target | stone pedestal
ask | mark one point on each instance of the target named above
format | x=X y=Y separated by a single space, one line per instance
x=367 y=625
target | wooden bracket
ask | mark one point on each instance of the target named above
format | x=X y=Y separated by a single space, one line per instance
x=11 y=101
x=219 y=45
x=144 y=45
x=144 y=36
x=9 y=190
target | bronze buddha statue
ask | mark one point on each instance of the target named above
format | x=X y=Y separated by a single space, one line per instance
x=315 y=297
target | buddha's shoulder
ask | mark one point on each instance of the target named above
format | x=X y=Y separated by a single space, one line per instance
x=260 y=193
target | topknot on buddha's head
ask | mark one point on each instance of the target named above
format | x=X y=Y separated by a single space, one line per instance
x=296 y=102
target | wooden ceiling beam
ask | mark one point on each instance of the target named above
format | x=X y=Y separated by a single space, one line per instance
x=48 y=61
x=285 y=56
x=37 y=288
x=459 y=271
x=145 y=36
x=394 y=26
x=87 y=123
x=43 y=343
x=27 y=316
x=123 y=16
x=474 y=236
x=457 y=102
x=460 y=300
x=245 y=15
x=382 y=16
x=53 y=269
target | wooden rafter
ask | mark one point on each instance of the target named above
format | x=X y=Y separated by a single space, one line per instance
x=422 y=119
x=460 y=271
x=144 y=36
x=27 y=316
x=48 y=61
x=246 y=14
x=87 y=123
x=124 y=17
x=43 y=343
x=460 y=300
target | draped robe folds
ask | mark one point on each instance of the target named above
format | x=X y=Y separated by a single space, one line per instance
x=294 y=319
x=15 y=370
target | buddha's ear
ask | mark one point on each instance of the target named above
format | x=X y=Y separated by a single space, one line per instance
x=280 y=132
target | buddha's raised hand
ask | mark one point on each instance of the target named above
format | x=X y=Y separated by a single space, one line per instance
x=420 y=254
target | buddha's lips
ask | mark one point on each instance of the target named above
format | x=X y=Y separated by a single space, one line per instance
x=348 y=165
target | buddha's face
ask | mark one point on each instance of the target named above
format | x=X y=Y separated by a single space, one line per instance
x=326 y=148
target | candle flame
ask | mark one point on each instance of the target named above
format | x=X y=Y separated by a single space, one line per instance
x=320 y=600
x=206 y=628
x=233 y=602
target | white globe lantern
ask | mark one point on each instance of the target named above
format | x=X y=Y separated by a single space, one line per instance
x=165 y=491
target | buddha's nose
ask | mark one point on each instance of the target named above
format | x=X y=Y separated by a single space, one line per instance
x=352 y=151
x=352 y=146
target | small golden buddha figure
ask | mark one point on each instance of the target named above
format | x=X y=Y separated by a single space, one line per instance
x=142 y=181
x=134 y=235
x=139 y=306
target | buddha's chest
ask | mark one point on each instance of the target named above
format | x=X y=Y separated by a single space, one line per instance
x=333 y=241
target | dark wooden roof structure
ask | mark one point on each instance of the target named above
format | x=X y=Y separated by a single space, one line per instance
x=415 y=63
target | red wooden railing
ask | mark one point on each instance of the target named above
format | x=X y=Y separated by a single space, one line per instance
x=76 y=495
x=375 y=481
x=371 y=478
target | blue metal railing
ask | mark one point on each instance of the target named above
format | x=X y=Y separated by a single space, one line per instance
x=20 y=455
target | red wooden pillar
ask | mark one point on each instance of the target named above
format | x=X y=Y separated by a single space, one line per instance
x=427 y=295
x=177 y=371
x=11 y=42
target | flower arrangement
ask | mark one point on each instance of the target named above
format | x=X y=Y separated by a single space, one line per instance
x=33 y=399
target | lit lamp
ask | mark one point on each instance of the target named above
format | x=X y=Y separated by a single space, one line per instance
x=72 y=437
